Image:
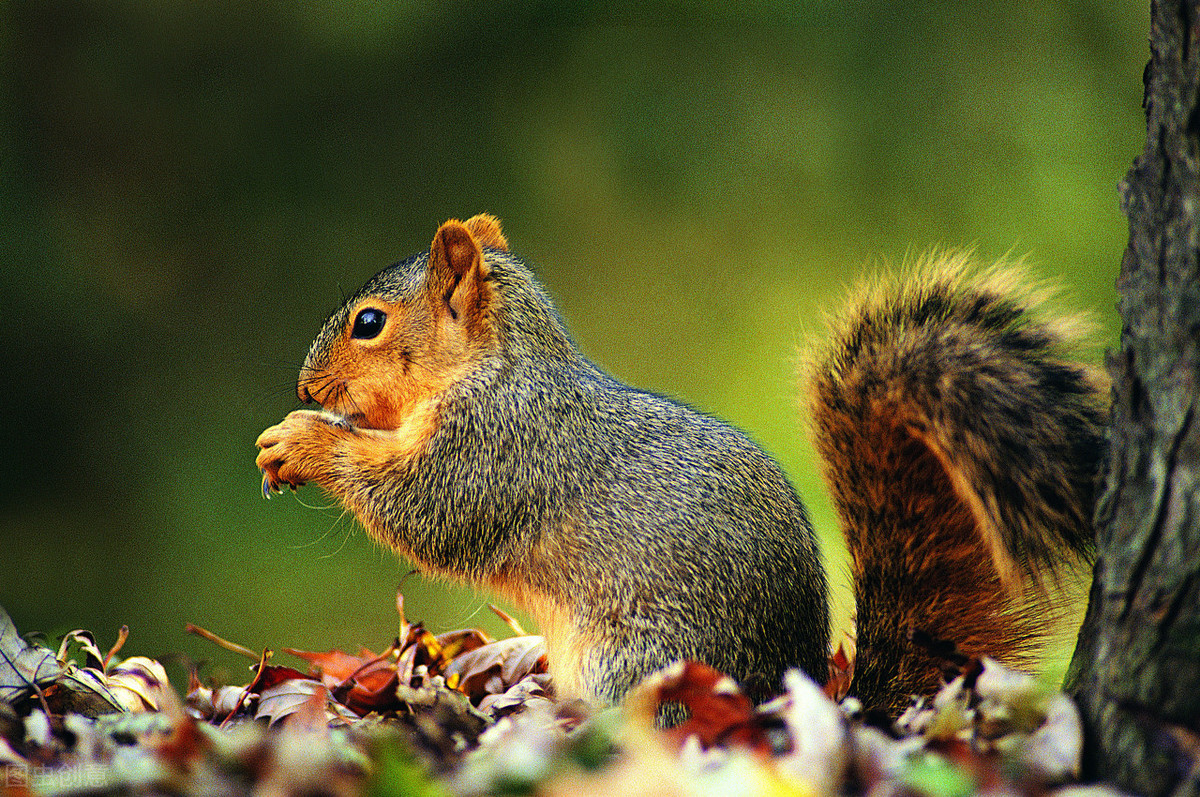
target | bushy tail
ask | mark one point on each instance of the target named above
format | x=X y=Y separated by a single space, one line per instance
x=960 y=444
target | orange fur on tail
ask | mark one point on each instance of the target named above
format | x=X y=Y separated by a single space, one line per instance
x=960 y=444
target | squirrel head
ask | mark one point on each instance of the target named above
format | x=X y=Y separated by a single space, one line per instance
x=410 y=332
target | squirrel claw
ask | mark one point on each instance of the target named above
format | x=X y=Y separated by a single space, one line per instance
x=266 y=485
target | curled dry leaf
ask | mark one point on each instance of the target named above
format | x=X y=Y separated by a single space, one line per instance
x=406 y=664
x=464 y=640
x=223 y=701
x=303 y=702
x=82 y=690
x=287 y=697
x=817 y=730
x=376 y=692
x=86 y=643
x=271 y=675
x=138 y=683
x=22 y=665
x=533 y=690
x=495 y=667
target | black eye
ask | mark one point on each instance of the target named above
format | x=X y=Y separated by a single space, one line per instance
x=368 y=323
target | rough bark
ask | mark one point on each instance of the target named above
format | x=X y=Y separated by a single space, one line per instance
x=1136 y=670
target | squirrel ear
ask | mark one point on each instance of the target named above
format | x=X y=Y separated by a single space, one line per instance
x=456 y=276
x=486 y=229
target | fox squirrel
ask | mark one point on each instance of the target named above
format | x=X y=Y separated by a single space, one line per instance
x=465 y=430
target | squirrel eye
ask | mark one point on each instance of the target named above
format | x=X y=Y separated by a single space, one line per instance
x=368 y=323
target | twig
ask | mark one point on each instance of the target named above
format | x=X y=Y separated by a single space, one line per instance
x=122 y=635
x=508 y=620
x=225 y=643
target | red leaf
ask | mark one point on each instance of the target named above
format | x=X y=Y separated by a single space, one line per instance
x=273 y=675
x=334 y=666
x=363 y=699
x=841 y=671
x=720 y=712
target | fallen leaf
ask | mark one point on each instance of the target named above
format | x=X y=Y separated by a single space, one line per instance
x=494 y=667
x=282 y=699
x=270 y=675
x=817 y=732
x=334 y=666
x=841 y=673
x=83 y=691
x=23 y=665
x=138 y=683
x=533 y=689
x=718 y=710
x=464 y=640
x=226 y=700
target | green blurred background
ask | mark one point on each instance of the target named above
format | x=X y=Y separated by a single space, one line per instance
x=188 y=188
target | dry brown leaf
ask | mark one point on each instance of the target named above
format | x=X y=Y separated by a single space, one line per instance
x=534 y=689
x=138 y=683
x=287 y=697
x=464 y=640
x=493 y=668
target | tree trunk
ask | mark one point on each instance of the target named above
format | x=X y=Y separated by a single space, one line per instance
x=1136 y=670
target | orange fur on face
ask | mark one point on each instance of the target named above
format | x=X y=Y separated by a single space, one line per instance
x=381 y=382
x=428 y=341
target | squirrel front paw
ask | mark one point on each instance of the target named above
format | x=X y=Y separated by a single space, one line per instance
x=298 y=449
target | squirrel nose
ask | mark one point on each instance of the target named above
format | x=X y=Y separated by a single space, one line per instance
x=303 y=394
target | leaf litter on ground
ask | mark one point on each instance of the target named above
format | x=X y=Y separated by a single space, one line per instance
x=460 y=713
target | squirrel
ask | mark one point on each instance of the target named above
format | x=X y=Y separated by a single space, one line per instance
x=465 y=430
